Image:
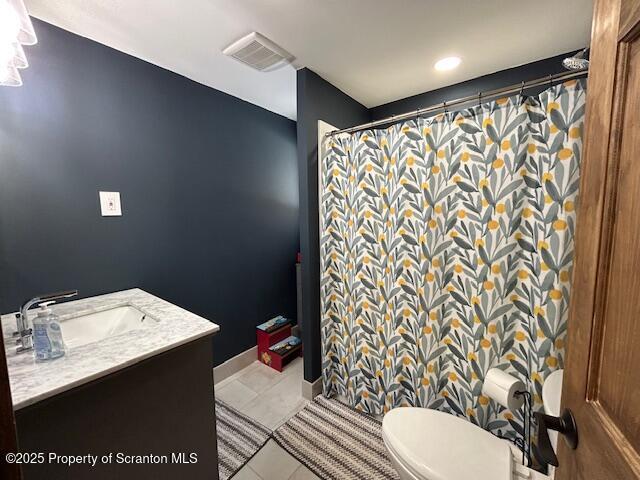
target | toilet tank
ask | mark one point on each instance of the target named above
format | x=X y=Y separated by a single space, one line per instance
x=551 y=396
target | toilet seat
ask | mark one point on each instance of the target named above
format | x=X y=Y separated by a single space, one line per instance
x=433 y=445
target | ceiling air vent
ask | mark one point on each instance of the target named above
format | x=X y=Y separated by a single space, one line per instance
x=258 y=52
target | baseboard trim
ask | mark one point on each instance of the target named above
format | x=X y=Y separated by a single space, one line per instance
x=310 y=390
x=235 y=364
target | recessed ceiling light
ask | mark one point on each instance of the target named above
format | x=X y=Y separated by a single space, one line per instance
x=448 y=63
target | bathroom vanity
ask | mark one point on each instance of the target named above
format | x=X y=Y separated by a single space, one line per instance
x=132 y=398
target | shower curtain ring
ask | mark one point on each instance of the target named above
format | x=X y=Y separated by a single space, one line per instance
x=479 y=99
x=444 y=105
x=550 y=80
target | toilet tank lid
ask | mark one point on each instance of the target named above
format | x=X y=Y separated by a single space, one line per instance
x=552 y=393
x=437 y=446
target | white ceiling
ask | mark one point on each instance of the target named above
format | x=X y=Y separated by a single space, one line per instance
x=376 y=51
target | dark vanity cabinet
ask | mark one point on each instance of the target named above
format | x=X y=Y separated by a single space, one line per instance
x=159 y=411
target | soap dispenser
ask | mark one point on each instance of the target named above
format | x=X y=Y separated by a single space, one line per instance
x=47 y=335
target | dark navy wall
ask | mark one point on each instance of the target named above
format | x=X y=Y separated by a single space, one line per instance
x=208 y=185
x=503 y=78
x=317 y=100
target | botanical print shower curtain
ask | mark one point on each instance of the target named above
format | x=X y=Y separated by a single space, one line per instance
x=446 y=250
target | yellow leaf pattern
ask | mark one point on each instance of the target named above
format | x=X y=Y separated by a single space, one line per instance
x=446 y=250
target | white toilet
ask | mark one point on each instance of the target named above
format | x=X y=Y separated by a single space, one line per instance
x=425 y=444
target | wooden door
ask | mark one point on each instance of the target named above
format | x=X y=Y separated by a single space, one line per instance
x=602 y=376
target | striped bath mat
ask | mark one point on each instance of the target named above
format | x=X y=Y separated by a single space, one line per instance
x=239 y=439
x=337 y=442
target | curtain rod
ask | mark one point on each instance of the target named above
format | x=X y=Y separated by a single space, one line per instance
x=516 y=88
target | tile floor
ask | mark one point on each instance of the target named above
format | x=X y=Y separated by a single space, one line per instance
x=270 y=398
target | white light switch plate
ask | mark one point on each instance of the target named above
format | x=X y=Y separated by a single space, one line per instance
x=110 y=204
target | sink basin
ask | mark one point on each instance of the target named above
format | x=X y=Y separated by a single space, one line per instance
x=98 y=326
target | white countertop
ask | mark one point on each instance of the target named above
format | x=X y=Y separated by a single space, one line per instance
x=32 y=382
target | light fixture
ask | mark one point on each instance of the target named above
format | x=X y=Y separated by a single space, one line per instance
x=9 y=23
x=19 y=57
x=16 y=30
x=448 y=63
x=27 y=35
x=10 y=77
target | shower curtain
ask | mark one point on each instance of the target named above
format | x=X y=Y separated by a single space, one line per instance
x=446 y=247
